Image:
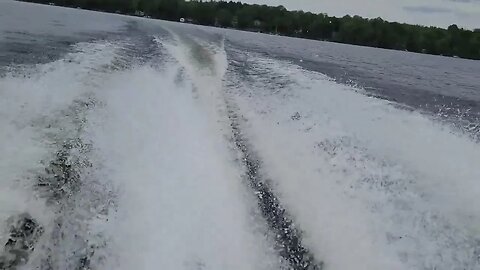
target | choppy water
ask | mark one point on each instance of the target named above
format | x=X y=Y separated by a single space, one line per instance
x=130 y=143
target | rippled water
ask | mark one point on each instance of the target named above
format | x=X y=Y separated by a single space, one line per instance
x=134 y=143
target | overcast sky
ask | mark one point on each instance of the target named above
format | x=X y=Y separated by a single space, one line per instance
x=465 y=13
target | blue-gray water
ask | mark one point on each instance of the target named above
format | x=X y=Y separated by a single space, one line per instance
x=136 y=143
x=443 y=86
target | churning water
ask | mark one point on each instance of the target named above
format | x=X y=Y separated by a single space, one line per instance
x=129 y=143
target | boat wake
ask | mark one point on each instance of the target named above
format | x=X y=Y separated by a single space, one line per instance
x=171 y=151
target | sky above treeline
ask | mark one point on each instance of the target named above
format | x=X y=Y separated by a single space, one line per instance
x=442 y=13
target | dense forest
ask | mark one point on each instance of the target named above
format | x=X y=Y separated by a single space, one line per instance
x=278 y=20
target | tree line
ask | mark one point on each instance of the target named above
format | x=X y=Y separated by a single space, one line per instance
x=453 y=41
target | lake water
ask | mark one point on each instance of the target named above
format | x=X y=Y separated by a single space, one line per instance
x=136 y=143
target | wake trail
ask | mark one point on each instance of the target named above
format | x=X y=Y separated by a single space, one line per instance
x=282 y=231
x=357 y=173
x=180 y=201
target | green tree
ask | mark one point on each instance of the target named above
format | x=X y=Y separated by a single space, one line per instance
x=224 y=18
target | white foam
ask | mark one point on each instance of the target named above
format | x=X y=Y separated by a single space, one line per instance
x=26 y=100
x=181 y=203
x=373 y=186
x=175 y=197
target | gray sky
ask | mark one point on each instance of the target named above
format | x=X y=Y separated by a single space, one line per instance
x=465 y=13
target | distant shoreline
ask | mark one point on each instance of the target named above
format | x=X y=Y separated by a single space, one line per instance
x=377 y=33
